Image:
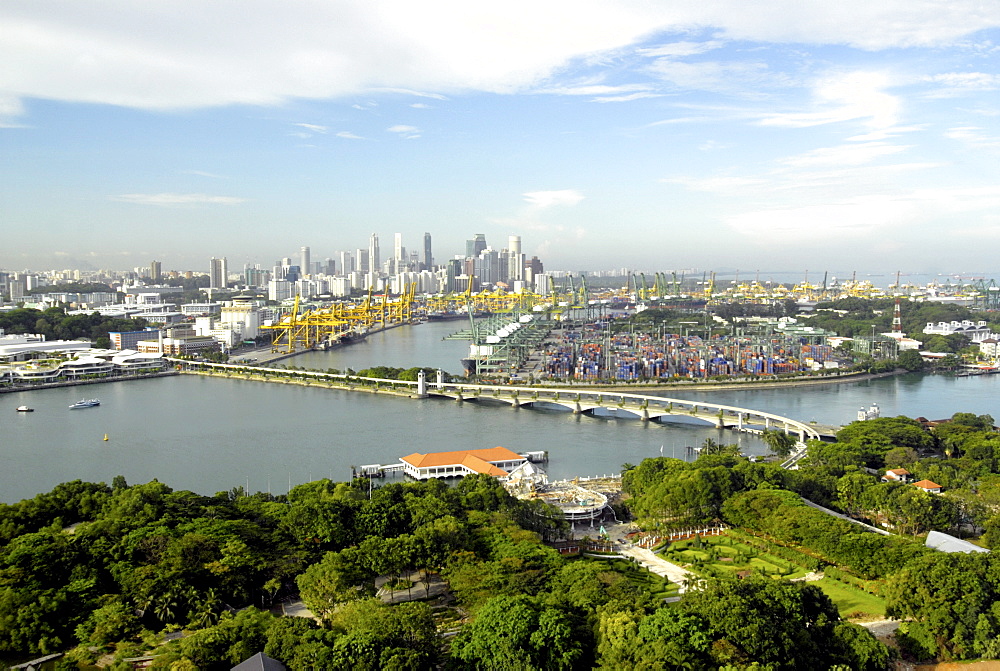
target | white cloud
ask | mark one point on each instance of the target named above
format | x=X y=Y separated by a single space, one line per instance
x=545 y=199
x=347 y=135
x=322 y=130
x=405 y=132
x=843 y=155
x=626 y=98
x=973 y=136
x=746 y=78
x=202 y=173
x=162 y=54
x=855 y=96
x=954 y=84
x=681 y=49
x=865 y=216
x=168 y=199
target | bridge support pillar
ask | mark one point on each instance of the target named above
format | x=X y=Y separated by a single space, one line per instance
x=422 y=384
x=645 y=415
x=576 y=408
x=767 y=423
x=458 y=399
x=440 y=378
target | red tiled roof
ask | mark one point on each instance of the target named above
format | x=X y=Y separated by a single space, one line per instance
x=899 y=471
x=927 y=484
x=460 y=456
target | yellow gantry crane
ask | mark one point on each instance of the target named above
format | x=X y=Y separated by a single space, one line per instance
x=325 y=326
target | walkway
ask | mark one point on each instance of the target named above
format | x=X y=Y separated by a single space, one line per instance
x=661 y=567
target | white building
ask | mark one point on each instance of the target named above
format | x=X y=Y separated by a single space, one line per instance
x=976 y=331
x=495 y=461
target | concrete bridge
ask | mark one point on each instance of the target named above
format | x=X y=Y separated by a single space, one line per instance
x=644 y=407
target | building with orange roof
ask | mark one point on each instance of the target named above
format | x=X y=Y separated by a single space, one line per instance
x=495 y=461
x=928 y=486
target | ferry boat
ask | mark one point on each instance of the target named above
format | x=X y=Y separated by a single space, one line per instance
x=85 y=404
x=24 y=408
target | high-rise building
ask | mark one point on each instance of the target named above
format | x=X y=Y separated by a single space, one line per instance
x=346 y=263
x=304 y=262
x=155 y=271
x=398 y=252
x=374 y=262
x=475 y=246
x=218 y=274
x=514 y=244
x=428 y=257
x=361 y=261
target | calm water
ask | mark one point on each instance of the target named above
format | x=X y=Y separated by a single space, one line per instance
x=209 y=435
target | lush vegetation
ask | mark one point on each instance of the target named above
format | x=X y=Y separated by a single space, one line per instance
x=93 y=569
x=55 y=324
x=781 y=534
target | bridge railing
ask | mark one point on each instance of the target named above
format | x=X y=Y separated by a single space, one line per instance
x=549 y=393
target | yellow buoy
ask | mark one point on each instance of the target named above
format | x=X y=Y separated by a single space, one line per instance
x=105 y=436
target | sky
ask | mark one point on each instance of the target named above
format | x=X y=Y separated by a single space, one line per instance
x=787 y=135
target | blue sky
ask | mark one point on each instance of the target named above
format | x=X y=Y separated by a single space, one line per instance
x=778 y=136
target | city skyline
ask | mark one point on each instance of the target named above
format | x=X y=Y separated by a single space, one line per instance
x=800 y=135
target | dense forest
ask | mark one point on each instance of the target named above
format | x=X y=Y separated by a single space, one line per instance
x=106 y=571
x=55 y=324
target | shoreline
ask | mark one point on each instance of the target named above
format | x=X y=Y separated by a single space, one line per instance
x=78 y=383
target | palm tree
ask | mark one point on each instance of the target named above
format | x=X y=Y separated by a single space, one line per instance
x=779 y=442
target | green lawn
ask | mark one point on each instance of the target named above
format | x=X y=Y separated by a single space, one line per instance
x=852 y=603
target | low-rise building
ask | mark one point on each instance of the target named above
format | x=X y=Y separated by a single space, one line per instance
x=495 y=461
x=928 y=486
x=897 y=475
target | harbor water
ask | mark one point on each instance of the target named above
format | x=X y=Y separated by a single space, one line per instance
x=210 y=434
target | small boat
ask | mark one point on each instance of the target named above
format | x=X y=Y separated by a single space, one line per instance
x=24 y=408
x=85 y=404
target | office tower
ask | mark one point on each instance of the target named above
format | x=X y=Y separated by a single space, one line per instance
x=361 y=261
x=514 y=244
x=374 y=261
x=218 y=274
x=397 y=247
x=475 y=246
x=304 y=263
x=346 y=263
x=428 y=257
x=155 y=271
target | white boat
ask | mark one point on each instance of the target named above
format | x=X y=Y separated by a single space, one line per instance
x=85 y=404
x=24 y=408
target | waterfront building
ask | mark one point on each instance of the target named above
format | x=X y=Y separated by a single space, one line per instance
x=495 y=461
x=87 y=363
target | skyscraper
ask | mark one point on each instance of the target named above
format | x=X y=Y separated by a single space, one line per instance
x=475 y=246
x=428 y=257
x=155 y=271
x=374 y=262
x=397 y=247
x=304 y=261
x=218 y=274
x=346 y=263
